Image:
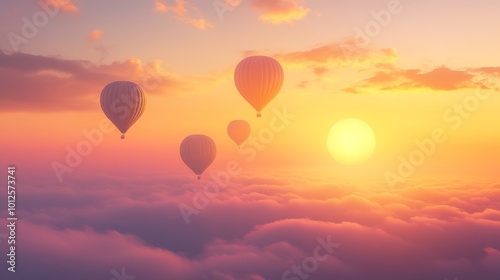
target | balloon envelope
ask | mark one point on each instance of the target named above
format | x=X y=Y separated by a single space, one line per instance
x=258 y=79
x=123 y=103
x=198 y=152
x=238 y=131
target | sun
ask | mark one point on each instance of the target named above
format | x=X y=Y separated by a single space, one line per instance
x=351 y=141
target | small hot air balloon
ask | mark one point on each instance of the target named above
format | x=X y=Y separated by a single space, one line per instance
x=198 y=152
x=123 y=103
x=238 y=131
x=258 y=79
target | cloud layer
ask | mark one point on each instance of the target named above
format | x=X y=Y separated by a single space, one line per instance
x=57 y=84
x=258 y=228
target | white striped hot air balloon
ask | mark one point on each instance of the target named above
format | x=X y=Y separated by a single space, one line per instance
x=123 y=103
x=238 y=131
x=258 y=79
x=198 y=152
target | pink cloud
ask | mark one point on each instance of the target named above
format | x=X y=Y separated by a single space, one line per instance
x=439 y=79
x=181 y=11
x=52 y=78
x=64 y=5
x=111 y=222
x=280 y=11
x=95 y=35
x=323 y=57
x=45 y=247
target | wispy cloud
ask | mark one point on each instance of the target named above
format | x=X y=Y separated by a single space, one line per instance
x=391 y=78
x=65 y=5
x=182 y=12
x=95 y=35
x=322 y=58
x=51 y=79
x=280 y=11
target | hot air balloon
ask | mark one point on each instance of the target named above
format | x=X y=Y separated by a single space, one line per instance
x=258 y=79
x=123 y=103
x=198 y=152
x=238 y=131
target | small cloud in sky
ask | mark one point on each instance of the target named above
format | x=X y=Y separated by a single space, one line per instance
x=333 y=54
x=181 y=11
x=95 y=35
x=199 y=23
x=320 y=70
x=160 y=7
x=303 y=84
x=64 y=5
x=439 y=79
x=280 y=11
x=232 y=3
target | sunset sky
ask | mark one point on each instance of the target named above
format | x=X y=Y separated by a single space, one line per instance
x=406 y=68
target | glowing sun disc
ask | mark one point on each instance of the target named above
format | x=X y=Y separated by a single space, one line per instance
x=351 y=141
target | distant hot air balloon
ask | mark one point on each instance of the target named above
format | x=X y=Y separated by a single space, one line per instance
x=198 y=152
x=238 y=131
x=123 y=103
x=258 y=79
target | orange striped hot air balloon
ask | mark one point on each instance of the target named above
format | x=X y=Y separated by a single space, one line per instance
x=238 y=131
x=258 y=79
x=123 y=103
x=198 y=152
